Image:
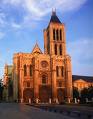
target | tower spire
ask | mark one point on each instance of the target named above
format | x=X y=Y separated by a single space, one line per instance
x=36 y=41
x=54 y=18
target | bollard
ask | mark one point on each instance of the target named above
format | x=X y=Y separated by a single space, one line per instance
x=86 y=100
x=75 y=100
x=57 y=101
x=29 y=100
x=49 y=100
x=37 y=100
x=69 y=100
x=21 y=100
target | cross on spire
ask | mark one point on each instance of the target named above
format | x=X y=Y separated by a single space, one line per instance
x=53 y=11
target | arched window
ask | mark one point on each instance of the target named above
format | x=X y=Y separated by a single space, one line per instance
x=60 y=49
x=57 y=36
x=60 y=84
x=44 y=79
x=55 y=49
x=53 y=34
x=60 y=34
x=57 y=71
x=25 y=70
x=31 y=70
x=62 y=71
x=28 y=84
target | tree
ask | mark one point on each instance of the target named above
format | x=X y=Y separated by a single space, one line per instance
x=84 y=95
x=75 y=92
x=10 y=89
x=90 y=92
x=1 y=89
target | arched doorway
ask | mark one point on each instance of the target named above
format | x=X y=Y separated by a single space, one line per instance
x=28 y=94
x=44 y=89
x=44 y=93
x=60 y=94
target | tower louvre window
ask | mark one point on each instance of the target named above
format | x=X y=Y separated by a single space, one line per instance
x=57 y=71
x=53 y=34
x=48 y=36
x=60 y=34
x=55 y=49
x=31 y=70
x=48 y=42
x=62 y=71
x=57 y=35
x=25 y=70
x=60 y=49
x=28 y=84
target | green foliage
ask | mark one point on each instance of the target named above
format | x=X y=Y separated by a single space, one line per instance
x=10 y=88
x=1 y=89
x=75 y=92
x=90 y=92
x=86 y=93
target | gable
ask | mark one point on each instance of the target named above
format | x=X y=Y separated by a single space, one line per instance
x=36 y=50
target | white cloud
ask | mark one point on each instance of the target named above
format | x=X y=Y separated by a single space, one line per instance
x=15 y=25
x=82 y=58
x=39 y=9
x=2 y=35
x=2 y=20
x=32 y=10
x=14 y=2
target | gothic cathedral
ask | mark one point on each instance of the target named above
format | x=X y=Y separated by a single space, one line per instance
x=44 y=77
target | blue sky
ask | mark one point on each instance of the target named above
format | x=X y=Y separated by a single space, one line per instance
x=22 y=23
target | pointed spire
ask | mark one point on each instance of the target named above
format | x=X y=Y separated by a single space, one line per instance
x=54 y=18
x=36 y=41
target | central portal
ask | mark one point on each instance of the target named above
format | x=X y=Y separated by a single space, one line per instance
x=44 y=93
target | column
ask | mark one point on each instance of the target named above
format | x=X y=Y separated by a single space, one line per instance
x=68 y=79
x=45 y=41
x=21 y=87
x=54 y=89
x=15 y=86
x=36 y=89
x=28 y=70
x=63 y=42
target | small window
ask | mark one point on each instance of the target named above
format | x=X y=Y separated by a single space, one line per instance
x=60 y=84
x=57 y=35
x=60 y=49
x=62 y=71
x=53 y=34
x=25 y=70
x=55 y=49
x=31 y=70
x=57 y=71
x=28 y=84
x=60 y=34
x=44 y=79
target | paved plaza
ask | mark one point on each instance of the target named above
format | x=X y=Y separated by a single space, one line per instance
x=22 y=111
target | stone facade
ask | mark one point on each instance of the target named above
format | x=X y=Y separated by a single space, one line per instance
x=44 y=77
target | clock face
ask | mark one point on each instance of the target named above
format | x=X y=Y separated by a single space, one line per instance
x=44 y=64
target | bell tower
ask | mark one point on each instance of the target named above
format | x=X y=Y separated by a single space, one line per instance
x=60 y=66
x=54 y=37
